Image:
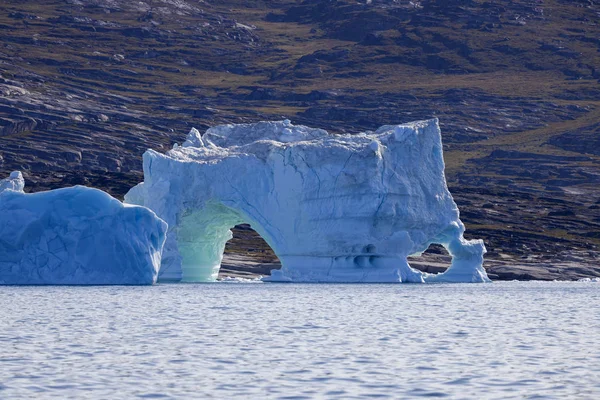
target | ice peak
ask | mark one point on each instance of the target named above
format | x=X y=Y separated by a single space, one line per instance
x=14 y=182
x=194 y=139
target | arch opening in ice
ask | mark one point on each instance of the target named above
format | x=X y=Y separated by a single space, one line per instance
x=202 y=236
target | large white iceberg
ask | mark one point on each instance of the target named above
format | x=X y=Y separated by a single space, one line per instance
x=334 y=208
x=75 y=236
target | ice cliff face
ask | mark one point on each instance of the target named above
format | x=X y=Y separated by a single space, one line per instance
x=334 y=208
x=75 y=236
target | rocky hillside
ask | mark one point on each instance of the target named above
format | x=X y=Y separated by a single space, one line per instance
x=87 y=85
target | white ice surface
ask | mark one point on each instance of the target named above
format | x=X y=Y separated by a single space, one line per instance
x=14 y=182
x=334 y=208
x=75 y=236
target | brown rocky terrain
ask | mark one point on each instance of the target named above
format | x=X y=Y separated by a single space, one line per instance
x=86 y=86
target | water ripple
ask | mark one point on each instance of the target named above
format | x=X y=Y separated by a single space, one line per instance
x=504 y=340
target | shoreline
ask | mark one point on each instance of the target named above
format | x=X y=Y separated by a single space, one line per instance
x=240 y=266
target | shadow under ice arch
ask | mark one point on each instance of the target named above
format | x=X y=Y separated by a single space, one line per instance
x=334 y=208
x=201 y=239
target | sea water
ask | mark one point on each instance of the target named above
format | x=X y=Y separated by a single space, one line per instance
x=288 y=341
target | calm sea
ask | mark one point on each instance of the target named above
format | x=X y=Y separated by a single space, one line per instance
x=287 y=341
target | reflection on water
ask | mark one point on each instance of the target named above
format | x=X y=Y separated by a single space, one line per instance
x=226 y=340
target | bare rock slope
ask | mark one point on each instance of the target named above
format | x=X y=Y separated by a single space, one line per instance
x=86 y=86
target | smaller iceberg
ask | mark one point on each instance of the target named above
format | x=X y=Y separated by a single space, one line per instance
x=76 y=236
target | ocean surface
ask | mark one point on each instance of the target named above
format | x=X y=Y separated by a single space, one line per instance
x=288 y=341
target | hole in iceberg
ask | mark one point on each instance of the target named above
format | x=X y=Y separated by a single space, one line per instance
x=247 y=254
x=202 y=237
x=434 y=260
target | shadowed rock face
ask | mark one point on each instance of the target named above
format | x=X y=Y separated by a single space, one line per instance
x=334 y=208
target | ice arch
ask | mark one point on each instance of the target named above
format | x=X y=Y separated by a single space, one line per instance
x=342 y=208
x=202 y=235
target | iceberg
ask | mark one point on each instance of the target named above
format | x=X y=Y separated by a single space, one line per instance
x=334 y=208
x=14 y=182
x=75 y=236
